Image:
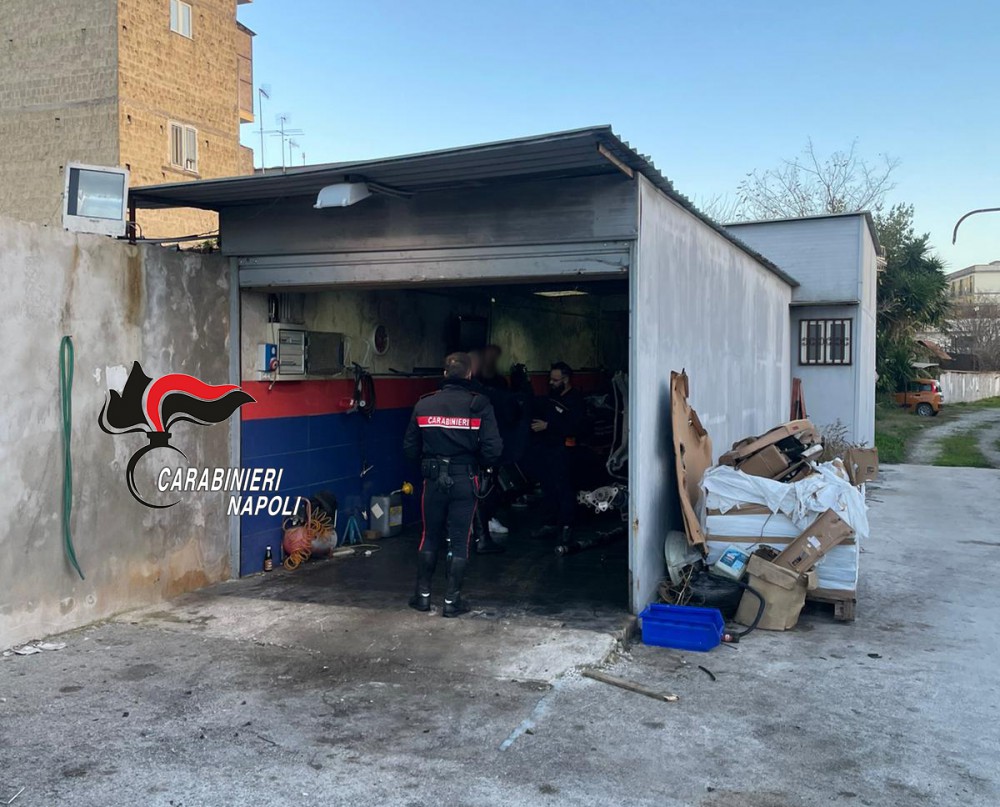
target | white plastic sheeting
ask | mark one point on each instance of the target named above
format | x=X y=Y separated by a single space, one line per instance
x=803 y=502
x=793 y=508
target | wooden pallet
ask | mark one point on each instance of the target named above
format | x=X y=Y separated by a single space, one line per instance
x=844 y=602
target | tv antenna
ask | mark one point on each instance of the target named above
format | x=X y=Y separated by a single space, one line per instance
x=263 y=91
x=286 y=134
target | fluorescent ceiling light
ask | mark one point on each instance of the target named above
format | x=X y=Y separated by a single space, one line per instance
x=342 y=194
x=562 y=293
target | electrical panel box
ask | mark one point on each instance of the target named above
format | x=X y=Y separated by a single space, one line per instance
x=267 y=357
x=299 y=354
x=291 y=352
x=324 y=353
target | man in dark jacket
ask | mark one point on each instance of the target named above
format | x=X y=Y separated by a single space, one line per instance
x=555 y=430
x=454 y=433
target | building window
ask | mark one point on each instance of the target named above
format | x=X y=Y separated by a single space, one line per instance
x=825 y=341
x=180 y=18
x=184 y=147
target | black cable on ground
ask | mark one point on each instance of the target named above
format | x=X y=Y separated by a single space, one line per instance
x=735 y=637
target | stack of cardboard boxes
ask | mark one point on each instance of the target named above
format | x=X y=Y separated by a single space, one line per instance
x=769 y=491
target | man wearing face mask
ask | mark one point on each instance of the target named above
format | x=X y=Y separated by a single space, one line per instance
x=555 y=431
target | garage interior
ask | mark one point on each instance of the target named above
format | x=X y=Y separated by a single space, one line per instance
x=410 y=242
x=305 y=425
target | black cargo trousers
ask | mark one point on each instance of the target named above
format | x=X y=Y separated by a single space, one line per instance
x=448 y=514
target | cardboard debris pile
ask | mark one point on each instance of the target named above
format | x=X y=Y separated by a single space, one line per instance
x=770 y=511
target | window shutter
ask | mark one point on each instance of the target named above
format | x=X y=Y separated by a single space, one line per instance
x=191 y=149
x=176 y=145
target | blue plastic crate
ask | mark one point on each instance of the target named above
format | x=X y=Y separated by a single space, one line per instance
x=682 y=627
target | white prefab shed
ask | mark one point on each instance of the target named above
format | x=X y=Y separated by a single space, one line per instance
x=577 y=207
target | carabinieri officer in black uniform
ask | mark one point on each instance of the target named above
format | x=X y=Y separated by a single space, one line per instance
x=454 y=433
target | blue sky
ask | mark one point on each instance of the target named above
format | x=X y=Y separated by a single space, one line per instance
x=710 y=90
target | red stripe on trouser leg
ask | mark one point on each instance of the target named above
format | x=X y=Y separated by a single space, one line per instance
x=423 y=518
x=472 y=521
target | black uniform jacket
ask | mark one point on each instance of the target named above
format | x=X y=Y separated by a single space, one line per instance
x=455 y=422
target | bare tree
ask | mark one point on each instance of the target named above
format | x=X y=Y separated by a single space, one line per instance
x=720 y=208
x=810 y=185
x=974 y=328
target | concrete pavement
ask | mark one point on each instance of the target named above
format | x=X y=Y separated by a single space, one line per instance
x=227 y=699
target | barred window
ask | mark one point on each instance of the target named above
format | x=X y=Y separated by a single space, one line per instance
x=825 y=341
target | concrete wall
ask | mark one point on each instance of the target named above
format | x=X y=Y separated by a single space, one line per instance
x=959 y=387
x=165 y=77
x=58 y=99
x=701 y=304
x=168 y=310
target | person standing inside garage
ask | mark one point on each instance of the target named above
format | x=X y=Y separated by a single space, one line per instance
x=555 y=432
x=453 y=432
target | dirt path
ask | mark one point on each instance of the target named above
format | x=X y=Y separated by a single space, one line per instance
x=925 y=447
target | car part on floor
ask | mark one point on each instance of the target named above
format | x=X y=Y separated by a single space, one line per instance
x=602 y=499
x=66 y=355
x=572 y=544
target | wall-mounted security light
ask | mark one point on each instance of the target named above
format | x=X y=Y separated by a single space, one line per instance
x=343 y=194
x=95 y=199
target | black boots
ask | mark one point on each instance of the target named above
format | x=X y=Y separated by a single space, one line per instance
x=421 y=599
x=454 y=605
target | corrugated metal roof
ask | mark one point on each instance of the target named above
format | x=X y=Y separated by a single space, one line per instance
x=556 y=155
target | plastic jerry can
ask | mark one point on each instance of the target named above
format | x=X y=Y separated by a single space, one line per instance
x=385 y=514
x=733 y=563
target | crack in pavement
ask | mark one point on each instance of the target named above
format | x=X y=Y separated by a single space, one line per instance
x=986 y=423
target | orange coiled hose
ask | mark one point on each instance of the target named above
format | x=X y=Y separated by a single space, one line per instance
x=298 y=540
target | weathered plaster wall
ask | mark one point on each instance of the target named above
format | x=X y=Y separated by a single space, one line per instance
x=168 y=310
x=590 y=331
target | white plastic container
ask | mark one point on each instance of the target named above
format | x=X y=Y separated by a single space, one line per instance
x=732 y=563
x=385 y=514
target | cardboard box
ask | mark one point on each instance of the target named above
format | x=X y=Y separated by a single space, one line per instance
x=819 y=538
x=692 y=455
x=802 y=430
x=861 y=464
x=783 y=590
x=768 y=462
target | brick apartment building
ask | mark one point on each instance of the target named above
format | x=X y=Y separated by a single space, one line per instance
x=158 y=86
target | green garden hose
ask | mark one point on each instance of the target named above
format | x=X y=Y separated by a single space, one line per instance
x=66 y=400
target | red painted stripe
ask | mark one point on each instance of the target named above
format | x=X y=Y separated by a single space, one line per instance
x=333 y=396
x=328 y=397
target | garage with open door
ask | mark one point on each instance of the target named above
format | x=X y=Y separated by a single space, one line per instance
x=354 y=280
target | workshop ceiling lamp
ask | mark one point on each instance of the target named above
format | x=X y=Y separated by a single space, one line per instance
x=343 y=194
x=562 y=293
